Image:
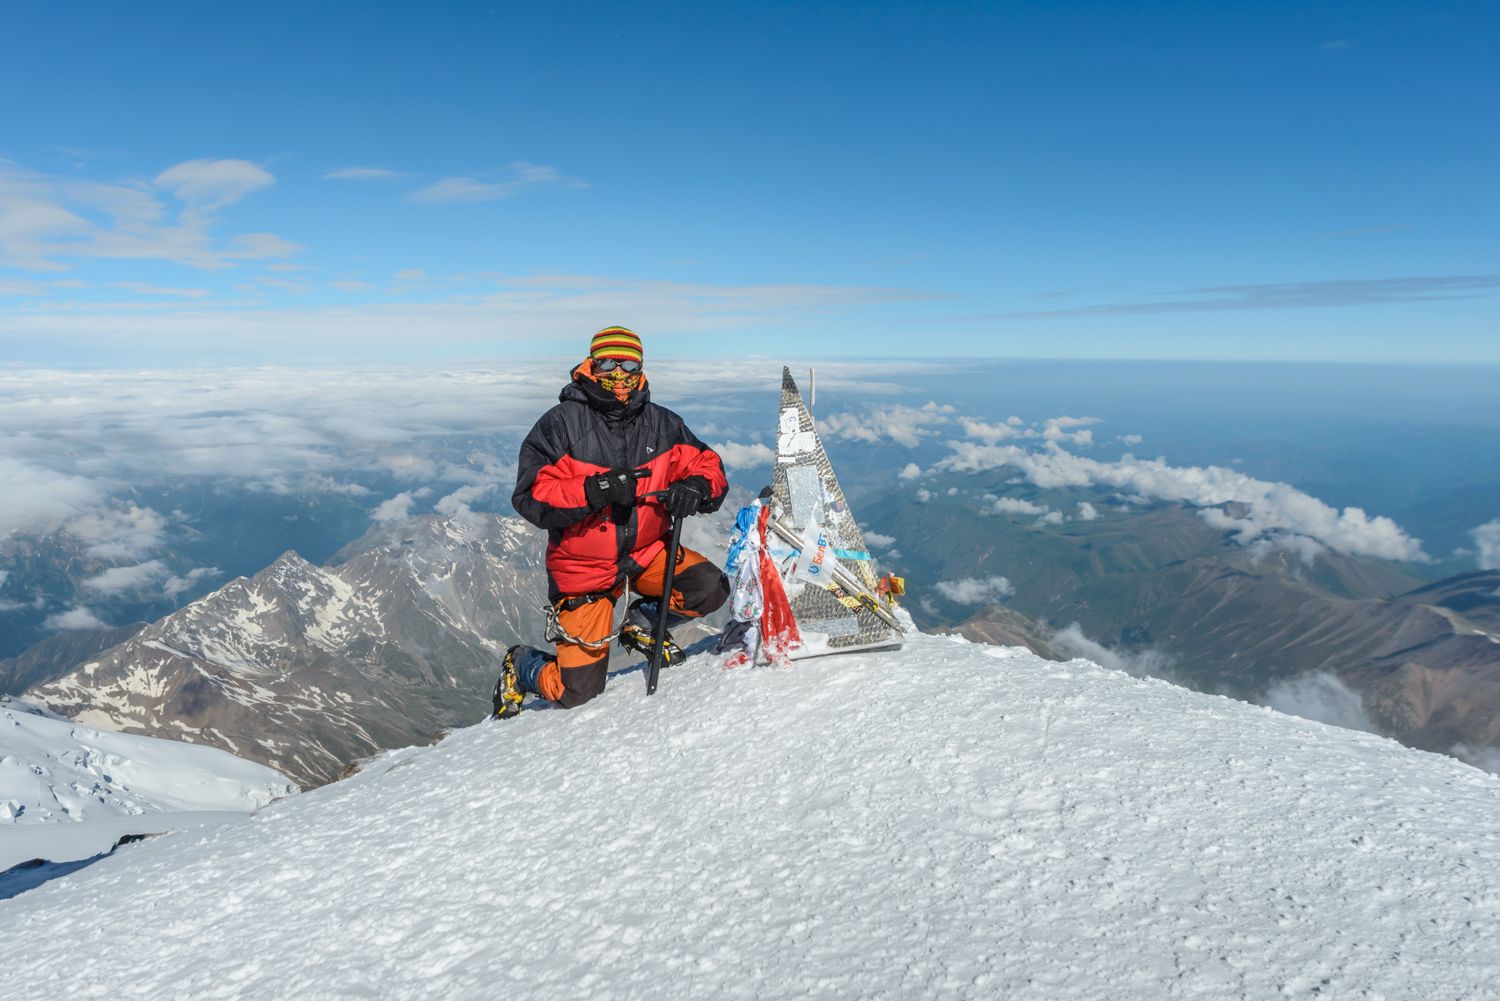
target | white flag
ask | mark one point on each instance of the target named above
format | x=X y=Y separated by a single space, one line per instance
x=815 y=562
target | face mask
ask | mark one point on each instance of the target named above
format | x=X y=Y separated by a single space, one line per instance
x=620 y=382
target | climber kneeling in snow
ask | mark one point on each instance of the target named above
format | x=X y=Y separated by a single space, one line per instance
x=606 y=472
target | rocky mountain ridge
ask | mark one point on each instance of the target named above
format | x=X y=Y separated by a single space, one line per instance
x=307 y=668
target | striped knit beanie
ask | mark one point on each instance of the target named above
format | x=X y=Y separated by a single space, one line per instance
x=616 y=342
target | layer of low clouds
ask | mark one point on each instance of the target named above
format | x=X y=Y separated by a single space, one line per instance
x=1272 y=509
x=975 y=590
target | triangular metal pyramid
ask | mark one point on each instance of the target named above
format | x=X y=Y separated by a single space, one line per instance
x=805 y=491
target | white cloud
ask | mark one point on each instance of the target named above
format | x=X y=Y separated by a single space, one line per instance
x=1087 y=511
x=1057 y=429
x=1013 y=505
x=1306 y=550
x=1320 y=696
x=876 y=540
x=902 y=424
x=462 y=497
x=1487 y=539
x=40 y=498
x=363 y=174
x=180 y=585
x=78 y=617
x=138 y=577
x=911 y=471
x=736 y=455
x=206 y=185
x=397 y=508
x=1273 y=508
x=1051 y=518
x=128 y=533
x=1486 y=758
x=975 y=590
x=467 y=190
x=351 y=285
x=45 y=218
x=923 y=496
x=991 y=433
x=1131 y=439
x=1149 y=663
x=411 y=275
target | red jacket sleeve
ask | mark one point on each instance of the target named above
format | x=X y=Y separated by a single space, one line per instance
x=549 y=482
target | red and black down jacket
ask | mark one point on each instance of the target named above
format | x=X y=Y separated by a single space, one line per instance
x=588 y=432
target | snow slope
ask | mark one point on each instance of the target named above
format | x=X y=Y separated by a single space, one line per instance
x=69 y=791
x=952 y=821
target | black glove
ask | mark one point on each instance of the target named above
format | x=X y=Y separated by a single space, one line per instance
x=686 y=496
x=614 y=487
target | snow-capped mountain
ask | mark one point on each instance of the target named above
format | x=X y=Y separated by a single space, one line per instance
x=308 y=668
x=951 y=820
x=69 y=791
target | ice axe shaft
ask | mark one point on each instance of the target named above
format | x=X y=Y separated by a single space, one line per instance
x=659 y=629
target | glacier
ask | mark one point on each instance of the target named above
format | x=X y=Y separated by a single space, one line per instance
x=69 y=791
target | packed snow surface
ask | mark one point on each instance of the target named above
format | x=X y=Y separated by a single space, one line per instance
x=69 y=791
x=950 y=821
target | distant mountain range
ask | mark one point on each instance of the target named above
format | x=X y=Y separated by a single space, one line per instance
x=306 y=668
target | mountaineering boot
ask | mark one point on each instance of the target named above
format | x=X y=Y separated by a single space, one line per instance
x=508 y=693
x=640 y=626
x=633 y=637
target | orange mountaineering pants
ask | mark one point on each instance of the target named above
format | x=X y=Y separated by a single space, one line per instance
x=579 y=672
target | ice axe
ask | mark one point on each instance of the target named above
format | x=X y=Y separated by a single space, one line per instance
x=659 y=627
x=668 y=577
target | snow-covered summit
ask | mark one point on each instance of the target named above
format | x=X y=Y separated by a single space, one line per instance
x=953 y=820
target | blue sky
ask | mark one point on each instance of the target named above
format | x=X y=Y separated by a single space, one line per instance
x=341 y=183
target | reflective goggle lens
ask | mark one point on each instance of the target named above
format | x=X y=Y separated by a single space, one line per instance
x=629 y=365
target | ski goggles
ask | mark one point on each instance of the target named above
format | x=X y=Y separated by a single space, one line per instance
x=627 y=365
